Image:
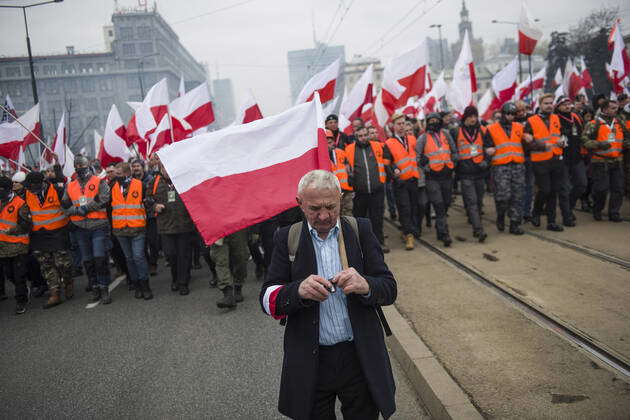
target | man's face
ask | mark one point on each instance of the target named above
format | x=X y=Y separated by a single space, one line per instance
x=446 y=119
x=110 y=171
x=546 y=105
x=118 y=173
x=399 y=126
x=356 y=124
x=564 y=107
x=153 y=160
x=470 y=120
x=137 y=171
x=50 y=173
x=611 y=109
x=332 y=125
x=520 y=111
x=321 y=207
x=331 y=142
x=362 y=135
x=78 y=166
x=372 y=135
x=17 y=186
x=578 y=106
x=509 y=117
x=496 y=116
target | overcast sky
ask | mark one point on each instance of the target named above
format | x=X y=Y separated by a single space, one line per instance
x=249 y=42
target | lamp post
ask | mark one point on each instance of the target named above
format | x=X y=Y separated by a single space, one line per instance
x=439 y=27
x=140 y=71
x=507 y=22
x=28 y=41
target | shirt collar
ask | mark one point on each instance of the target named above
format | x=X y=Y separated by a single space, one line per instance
x=333 y=232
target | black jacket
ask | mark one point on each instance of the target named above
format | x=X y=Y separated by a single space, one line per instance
x=301 y=337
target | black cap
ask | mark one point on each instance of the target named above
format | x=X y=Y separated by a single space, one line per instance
x=6 y=183
x=469 y=112
x=433 y=115
x=34 y=178
x=332 y=117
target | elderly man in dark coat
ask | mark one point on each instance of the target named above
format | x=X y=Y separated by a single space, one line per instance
x=327 y=283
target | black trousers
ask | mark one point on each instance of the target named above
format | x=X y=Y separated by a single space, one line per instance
x=440 y=194
x=14 y=269
x=340 y=375
x=549 y=176
x=371 y=206
x=407 y=201
x=607 y=178
x=153 y=241
x=178 y=251
x=472 y=191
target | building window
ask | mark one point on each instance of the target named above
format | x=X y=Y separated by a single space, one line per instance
x=68 y=69
x=91 y=104
x=131 y=64
x=105 y=85
x=126 y=34
x=88 y=85
x=101 y=67
x=146 y=47
x=51 y=86
x=106 y=103
x=86 y=68
x=144 y=32
x=129 y=49
x=148 y=63
x=132 y=82
x=13 y=71
x=70 y=86
x=50 y=69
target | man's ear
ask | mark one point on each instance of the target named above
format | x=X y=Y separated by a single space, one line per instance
x=297 y=199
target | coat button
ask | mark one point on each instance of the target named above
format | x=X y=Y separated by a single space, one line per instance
x=315 y=351
x=315 y=322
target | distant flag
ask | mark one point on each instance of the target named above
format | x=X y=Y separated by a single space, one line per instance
x=432 y=99
x=182 y=88
x=11 y=115
x=528 y=33
x=68 y=166
x=191 y=111
x=557 y=78
x=323 y=83
x=249 y=110
x=59 y=143
x=587 y=81
x=526 y=87
x=329 y=108
x=98 y=139
x=619 y=62
x=359 y=96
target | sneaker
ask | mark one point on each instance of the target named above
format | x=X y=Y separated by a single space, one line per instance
x=20 y=308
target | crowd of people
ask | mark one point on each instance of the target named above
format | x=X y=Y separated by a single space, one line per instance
x=560 y=154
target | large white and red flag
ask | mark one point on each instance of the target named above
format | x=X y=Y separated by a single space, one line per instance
x=528 y=32
x=59 y=143
x=503 y=89
x=464 y=82
x=249 y=110
x=403 y=78
x=587 y=80
x=20 y=133
x=68 y=166
x=323 y=83
x=147 y=115
x=432 y=99
x=361 y=94
x=484 y=105
x=114 y=147
x=33 y=130
x=220 y=174
x=528 y=85
x=619 y=62
x=572 y=83
x=191 y=111
x=160 y=137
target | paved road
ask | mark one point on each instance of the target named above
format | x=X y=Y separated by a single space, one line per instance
x=172 y=357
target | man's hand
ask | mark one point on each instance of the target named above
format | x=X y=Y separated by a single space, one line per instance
x=159 y=208
x=603 y=145
x=351 y=281
x=314 y=288
x=396 y=172
x=528 y=137
x=490 y=151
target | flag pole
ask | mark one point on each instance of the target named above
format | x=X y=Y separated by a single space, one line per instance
x=33 y=134
x=170 y=124
x=17 y=164
x=531 y=80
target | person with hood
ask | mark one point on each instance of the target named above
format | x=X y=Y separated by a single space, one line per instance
x=85 y=201
x=340 y=139
x=15 y=224
x=472 y=167
x=436 y=154
x=49 y=238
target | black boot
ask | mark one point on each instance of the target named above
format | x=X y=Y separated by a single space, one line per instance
x=446 y=239
x=138 y=294
x=90 y=272
x=515 y=229
x=480 y=235
x=106 y=298
x=147 y=293
x=238 y=293
x=228 y=300
x=501 y=222
x=96 y=293
x=536 y=220
x=597 y=216
x=554 y=227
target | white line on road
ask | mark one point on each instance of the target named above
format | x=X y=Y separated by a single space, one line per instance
x=112 y=286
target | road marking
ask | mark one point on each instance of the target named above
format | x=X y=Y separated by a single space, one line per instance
x=112 y=286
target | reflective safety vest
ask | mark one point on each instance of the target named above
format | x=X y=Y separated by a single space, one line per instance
x=467 y=150
x=507 y=149
x=156 y=181
x=9 y=219
x=616 y=141
x=549 y=135
x=404 y=160
x=439 y=156
x=47 y=215
x=377 y=149
x=128 y=211
x=338 y=167
x=81 y=196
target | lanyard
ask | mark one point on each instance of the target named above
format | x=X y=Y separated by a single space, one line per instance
x=403 y=142
x=470 y=139
x=610 y=126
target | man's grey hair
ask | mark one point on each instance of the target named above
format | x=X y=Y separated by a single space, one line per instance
x=320 y=180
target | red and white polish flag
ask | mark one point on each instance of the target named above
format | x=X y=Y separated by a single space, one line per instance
x=249 y=110
x=244 y=174
x=503 y=89
x=13 y=135
x=114 y=147
x=464 y=82
x=160 y=137
x=557 y=78
x=361 y=94
x=191 y=111
x=587 y=80
x=98 y=139
x=437 y=92
x=59 y=144
x=148 y=114
x=619 y=67
x=323 y=83
x=528 y=33
x=525 y=88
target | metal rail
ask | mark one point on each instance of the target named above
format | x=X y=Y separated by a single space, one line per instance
x=597 y=350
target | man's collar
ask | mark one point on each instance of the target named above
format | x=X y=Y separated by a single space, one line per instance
x=332 y=231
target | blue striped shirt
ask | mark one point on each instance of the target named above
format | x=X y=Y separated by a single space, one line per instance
x=334 y=322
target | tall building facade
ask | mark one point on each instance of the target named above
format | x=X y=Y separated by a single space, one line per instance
x=141 y=49
x=476 y=44
x=303 y=64
x=224 y=98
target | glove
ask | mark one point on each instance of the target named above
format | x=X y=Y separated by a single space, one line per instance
x=424 y=161
x=603 y=145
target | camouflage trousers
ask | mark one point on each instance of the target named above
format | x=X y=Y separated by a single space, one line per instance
x=230 y=255
x=509 y=184
x=56 y=267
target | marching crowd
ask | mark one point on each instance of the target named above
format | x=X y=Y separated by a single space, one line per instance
x=126 y=215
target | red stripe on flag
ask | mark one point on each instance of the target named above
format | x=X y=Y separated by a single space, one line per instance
x=414 y=85
x=473 y=77
x=200 y=117
x=326 y=93
x=220 y=206
x=30 y=138
x=526 y=45
x=252 y=114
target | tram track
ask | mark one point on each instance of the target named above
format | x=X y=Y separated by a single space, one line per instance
x=596 y=350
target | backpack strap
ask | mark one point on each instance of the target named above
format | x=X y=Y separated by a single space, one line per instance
x=295 y=231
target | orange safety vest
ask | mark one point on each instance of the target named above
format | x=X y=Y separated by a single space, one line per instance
x=616 y=144
x=89 y=192
x=156 y=181
x=549 y=135
x=467 y=150
x=128 y=211
x=377 y=149
x=508 y=149
x=9 y=219
x=338 y=167
x=439 y=156
x=405 y=160
x=48 y=215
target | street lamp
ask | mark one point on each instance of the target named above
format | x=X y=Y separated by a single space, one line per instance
x=28 y=41
x=141 y=70
x=439 y=27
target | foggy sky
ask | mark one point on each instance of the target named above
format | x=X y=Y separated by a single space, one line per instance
x=249 y=43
